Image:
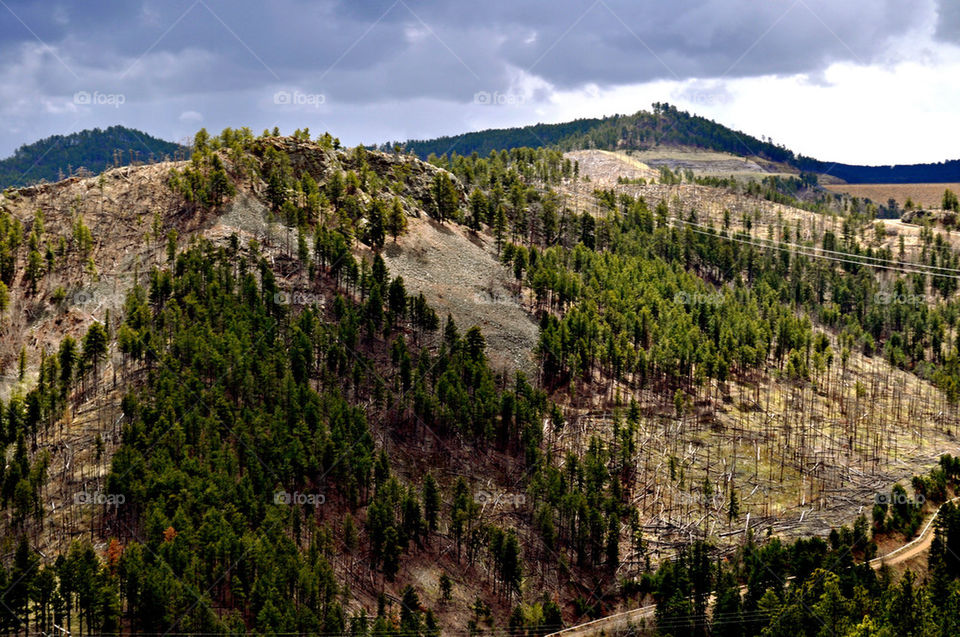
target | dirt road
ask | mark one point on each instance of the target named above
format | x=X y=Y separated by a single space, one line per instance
x=619 y=621
x=914 y=547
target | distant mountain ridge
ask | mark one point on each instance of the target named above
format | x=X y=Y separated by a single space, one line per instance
x=58 y=156
x=666 y=125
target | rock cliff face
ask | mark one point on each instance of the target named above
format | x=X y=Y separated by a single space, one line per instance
x=98 y=235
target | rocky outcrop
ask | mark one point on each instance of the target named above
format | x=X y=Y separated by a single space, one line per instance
x=413 y=178
x=946 y=218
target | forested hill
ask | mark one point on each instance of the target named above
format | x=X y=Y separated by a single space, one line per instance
x=942 y=172
x=275 y=433
x=58 y=156
x=496 y=139
x=665 y=125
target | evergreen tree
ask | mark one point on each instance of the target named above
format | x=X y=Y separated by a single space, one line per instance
x=431 y=502
x=478 y=208
x=397 y=220
x=376 y=219
x=445 y=197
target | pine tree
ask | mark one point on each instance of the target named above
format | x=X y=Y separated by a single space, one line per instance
x=391 y=553
x=431 y=502
x=411 y=621
x=510 y=563
x=34 y=271
x=397 y=220
x=397 y=298
x=375 y=227
x=460 y=513
x=475 y=343
x=445 y=197
x=613 y=543
x=446 y=587
x=478 y=208
x=219 y=185
x=733 y=509
x=588 y=227
x=451 y=336
x=95 y=345
x=950 y=201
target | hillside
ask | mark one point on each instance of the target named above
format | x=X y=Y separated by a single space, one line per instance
x=185 y=208
x=59 y=156
x=667 y=126
x=286 y=387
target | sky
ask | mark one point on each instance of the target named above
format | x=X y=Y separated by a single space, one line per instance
x=856 y=81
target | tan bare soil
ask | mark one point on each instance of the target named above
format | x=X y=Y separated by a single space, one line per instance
x=457 y=271
x=605 y=166
x=708 y=163
x=923 y=195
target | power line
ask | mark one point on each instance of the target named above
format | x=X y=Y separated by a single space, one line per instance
x=824 y=250
x=802 y=251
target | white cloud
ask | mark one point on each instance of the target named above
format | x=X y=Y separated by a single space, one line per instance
x=851 y=113
x=190 y=117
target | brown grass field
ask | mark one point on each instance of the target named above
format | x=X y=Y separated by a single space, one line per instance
x=924 y=195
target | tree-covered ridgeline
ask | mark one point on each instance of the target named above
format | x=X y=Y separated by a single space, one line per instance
x=666 y=125
x=87 y=152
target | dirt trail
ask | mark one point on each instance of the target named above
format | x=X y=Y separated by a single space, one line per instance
x=914 y=547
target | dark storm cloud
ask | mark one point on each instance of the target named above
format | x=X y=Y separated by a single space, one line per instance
x=437 y=48
x=948 y=21
x=570 y=42
x=225 y=59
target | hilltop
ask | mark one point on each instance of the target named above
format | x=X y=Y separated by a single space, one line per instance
x=93 y=151
x=667 y=126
